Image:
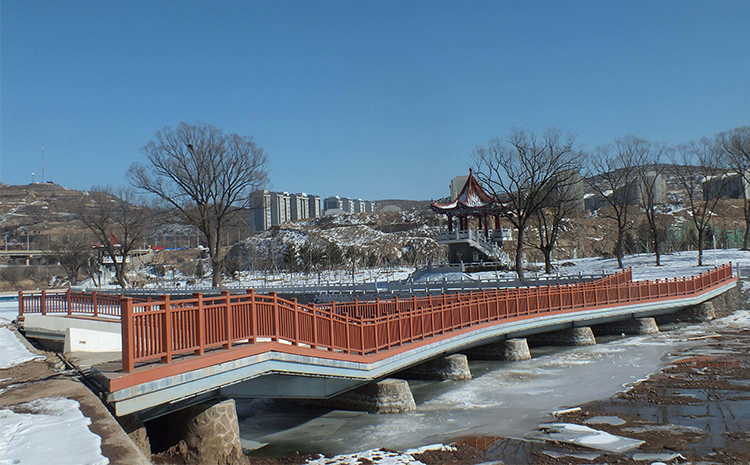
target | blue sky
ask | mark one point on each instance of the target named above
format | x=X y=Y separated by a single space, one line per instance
x=380 y=99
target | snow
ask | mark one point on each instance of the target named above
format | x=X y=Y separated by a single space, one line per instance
x=588 y=437
x=12 y=351
x=379 y=457
x=8 y=311
x=48 y=430
x=675 y=265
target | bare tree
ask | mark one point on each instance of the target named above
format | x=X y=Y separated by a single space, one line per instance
x=736 y=147
x=704 y=179
x=563 y=203
x=72 y=251
x=652 y=191
x=525 y=170
x=614 y=178
x=118 y=220
x=204 y=175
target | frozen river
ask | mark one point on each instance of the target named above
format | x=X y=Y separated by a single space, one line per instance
x=503 y=399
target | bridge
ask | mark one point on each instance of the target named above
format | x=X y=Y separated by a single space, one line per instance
x=176 y=352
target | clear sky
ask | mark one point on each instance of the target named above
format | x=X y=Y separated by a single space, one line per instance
x=370 y=99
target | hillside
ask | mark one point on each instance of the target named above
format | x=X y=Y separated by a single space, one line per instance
x=39 y=209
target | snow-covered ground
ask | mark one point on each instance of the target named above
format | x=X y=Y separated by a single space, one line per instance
x=43 y=431
x=49 y=430
x=12 y=351
x=674 y=265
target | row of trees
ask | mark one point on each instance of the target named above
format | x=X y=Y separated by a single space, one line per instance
x=540 y=178
x=196 y=175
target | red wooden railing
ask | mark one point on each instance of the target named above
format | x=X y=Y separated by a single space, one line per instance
x=69 y=303
x=164 y=329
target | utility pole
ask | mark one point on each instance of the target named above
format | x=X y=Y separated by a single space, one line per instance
x=42 y=161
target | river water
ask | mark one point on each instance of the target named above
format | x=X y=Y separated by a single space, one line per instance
x=508 y=399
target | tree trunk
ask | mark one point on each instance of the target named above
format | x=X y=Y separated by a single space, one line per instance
x=657 y=244
x=700 y=247
x=120 y=272
x=547 y=251
x=519 y=254
x=215 y=271
x=746 y=239
x=618 y=247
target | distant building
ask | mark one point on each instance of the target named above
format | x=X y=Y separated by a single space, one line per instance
x=635 y=192
x=347 y=206
x=260 y=211
x=357 y=206
x=273 y=208
x=315 y=210
x=299 y=206
x=367 y=205
x=332 y=203
x=730 y=185
x=456 y=185
x=280 y=208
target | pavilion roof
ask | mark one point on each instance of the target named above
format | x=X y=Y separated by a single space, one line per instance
x=471 y=199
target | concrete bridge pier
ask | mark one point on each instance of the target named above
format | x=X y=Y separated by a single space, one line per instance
x=510 y=349
x=579 y=336
x=632 y=327
x=206 y=433
x=387 y=396
x=453 y=367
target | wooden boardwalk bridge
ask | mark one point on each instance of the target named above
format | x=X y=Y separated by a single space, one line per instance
x=260 y=345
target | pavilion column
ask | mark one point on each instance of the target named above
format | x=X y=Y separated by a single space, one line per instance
x=497 y=221
x=450 y=223
x=486 y=227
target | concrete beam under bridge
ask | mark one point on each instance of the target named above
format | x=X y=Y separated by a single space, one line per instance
x=290 y=386
x=280 y=360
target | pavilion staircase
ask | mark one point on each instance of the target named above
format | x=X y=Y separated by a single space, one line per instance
x=477 y=240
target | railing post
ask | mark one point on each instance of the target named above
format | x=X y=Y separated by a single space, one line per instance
x=43 y=303
x=347 y=322
x=253 y=316
x=20 y=304
x=296 y=322
x=128 y=344
x=333 y=312
x=68 y=302
x=229 y=323
x=94 y=300
x=201 y=324
x=167 y=336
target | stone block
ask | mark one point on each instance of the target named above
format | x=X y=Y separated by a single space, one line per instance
x=511 y=349
x=387 y=396
x=206 y=433
x=517 y=349
x=632 y=327
x=582 y=336
x=453 y=367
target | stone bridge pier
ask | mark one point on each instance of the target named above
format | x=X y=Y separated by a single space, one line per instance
x=207 y=433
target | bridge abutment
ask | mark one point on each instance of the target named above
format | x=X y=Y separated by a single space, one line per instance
x=580 y=336
x=510 y=349
x=453 y=367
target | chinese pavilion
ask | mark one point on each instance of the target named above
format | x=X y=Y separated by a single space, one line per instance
x=467 y=244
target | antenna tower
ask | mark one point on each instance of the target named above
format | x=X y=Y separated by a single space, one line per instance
x=42 y=161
